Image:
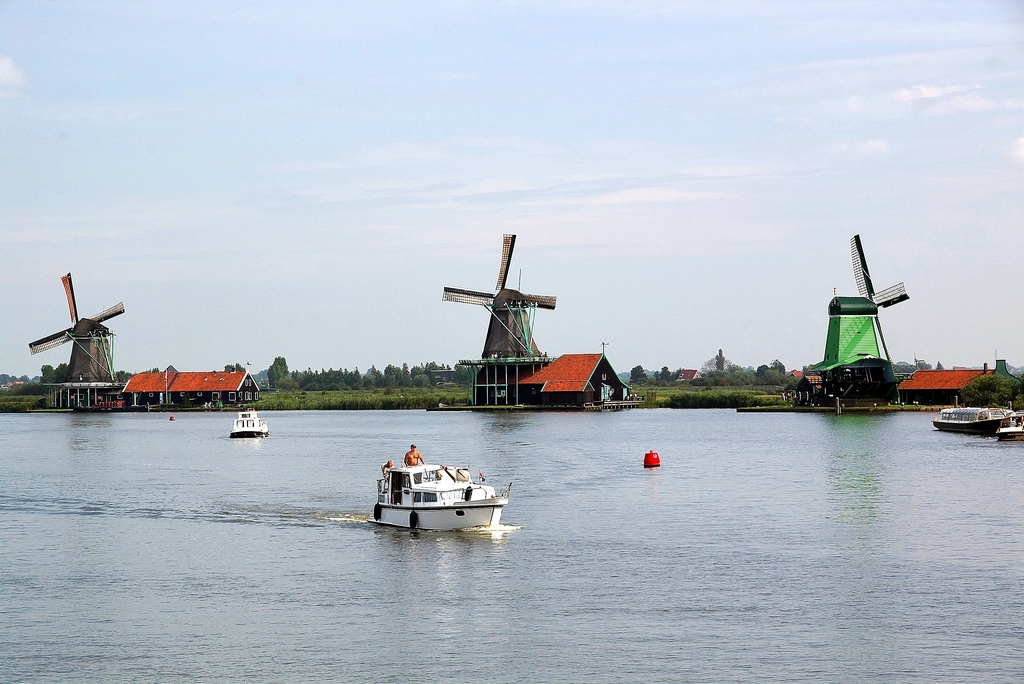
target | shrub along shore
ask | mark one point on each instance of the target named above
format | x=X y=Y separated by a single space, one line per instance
x=424 y=398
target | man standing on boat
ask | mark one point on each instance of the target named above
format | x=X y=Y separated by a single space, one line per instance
x=413 y=457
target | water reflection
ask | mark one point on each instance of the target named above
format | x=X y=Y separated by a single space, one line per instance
x=853 y=467
x=89 y=432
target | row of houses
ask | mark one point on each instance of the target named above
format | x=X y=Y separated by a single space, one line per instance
x=202 y=388
x=191 y=388
x=924 y=387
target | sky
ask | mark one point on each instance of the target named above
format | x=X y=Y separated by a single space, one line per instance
x=302 y=179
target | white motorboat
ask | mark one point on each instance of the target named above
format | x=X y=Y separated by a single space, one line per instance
x=1012 y=428
x=248 y=424
x=978 y=421
x=436 y=497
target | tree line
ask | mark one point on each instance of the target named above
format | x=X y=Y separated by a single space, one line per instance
x=718 y=371
x=422 y=375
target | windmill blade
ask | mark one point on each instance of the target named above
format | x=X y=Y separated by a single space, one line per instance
x=891 y=295
x=455 y=294
x=508 y=244
x=540 y=301
x=69 y=289
x=50 y=341
x=115 y=310
x=860 y=269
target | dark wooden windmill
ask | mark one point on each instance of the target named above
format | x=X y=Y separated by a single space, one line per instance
x=92 y=353
x=510 y=332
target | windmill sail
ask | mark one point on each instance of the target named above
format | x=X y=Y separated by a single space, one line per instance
x=860 y=269
x=508 y=244
x=456 y=294
x=69 y=290
x=50 y=341
x=540 y=301
x=115 y=310
x=891 y=295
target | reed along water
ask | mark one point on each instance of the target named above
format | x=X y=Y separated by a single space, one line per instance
x=777 y=547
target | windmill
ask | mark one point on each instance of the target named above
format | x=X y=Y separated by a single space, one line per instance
x=510 y=332
x=854 y=367
x=92 y=353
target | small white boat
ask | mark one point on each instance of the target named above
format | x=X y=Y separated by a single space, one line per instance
x=1012 y=428
x=248 y=424
x=436 y=497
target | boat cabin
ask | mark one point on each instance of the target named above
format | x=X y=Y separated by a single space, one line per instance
x=432 y=485
x=970 y=415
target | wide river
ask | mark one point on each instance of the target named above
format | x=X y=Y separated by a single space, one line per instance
x=775 y=547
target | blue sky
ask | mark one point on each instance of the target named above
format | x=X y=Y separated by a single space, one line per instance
x=302 y=179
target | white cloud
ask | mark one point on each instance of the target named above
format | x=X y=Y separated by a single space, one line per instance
x=870 y=147
x=927 y=92
x=10 y=75
x=1017 y=149
x=942 y=100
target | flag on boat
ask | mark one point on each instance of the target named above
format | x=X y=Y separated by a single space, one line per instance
x=482 y=478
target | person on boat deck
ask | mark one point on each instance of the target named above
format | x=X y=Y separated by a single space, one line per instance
x=413 y=457
x=386 y=468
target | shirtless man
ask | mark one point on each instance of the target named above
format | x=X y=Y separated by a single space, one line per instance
x=413 y=457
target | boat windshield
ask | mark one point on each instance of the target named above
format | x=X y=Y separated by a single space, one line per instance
x=961 y=415
x=426 y=476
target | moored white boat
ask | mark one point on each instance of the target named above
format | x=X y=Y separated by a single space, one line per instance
x=436 y=497
x=248 y=424
x=978 y=421
x=1012 y=428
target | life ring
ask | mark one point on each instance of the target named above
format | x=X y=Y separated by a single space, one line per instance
x=414 y=520
x=469 y=493
x=376 y=511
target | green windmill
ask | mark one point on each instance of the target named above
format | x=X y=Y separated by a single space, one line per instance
x=855 y=369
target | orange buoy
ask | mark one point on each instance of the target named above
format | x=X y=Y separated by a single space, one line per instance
x=651 y=459
x=172 y=417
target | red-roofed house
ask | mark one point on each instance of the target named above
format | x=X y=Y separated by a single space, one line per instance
x=937 y=387
x=573 y=380
x=685 y=375
x=192 y=389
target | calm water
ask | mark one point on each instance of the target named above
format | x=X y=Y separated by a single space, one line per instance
x=767 y=547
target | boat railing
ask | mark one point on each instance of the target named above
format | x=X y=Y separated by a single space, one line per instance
x=503 y=494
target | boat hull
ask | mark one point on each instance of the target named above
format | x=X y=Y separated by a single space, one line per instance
x=476 y=514
x=978 y=427
x=1015 y=434
x=249 y=433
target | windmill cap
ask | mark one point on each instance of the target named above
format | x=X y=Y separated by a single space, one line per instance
x=852 y=306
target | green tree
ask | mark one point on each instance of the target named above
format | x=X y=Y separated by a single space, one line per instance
x=990 y=390
x=637 y=374
x=51 y=375
x=277 y=371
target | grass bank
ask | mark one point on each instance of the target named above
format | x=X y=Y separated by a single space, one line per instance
x=361 y=400
x=707 y=399
x=19 y=403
